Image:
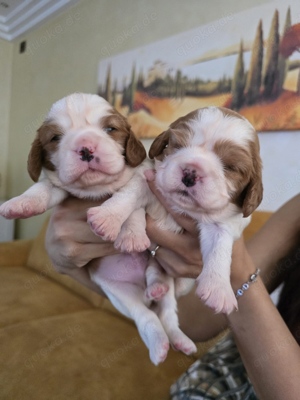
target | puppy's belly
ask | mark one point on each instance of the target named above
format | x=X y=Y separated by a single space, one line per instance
x=121 y=267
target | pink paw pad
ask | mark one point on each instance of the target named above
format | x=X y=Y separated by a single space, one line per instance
x=164 y=352
x=166 y=346
x=157 y=291
x=186 y=348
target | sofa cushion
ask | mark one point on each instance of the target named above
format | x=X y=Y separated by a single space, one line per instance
x=91 y=354
x=15 y=253
x=26 y=295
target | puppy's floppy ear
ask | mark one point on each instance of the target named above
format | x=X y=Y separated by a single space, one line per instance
x=159 y=144
x=254 y=189
x=135 y=152
x=34 y=162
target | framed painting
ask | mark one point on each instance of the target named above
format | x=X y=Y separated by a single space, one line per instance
x=248 y=62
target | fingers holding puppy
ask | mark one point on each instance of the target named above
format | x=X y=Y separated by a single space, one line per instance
x=70 y=242
x=185 y=245
x=178 y=254
x=175 y=266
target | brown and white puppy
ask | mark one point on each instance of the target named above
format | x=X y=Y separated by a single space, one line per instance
x=87 y=149
x=208 y=167
x=84 y=147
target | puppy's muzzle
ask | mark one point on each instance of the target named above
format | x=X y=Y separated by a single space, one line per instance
x=86 y=154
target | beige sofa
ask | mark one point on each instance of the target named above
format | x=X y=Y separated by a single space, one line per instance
x=59 y=340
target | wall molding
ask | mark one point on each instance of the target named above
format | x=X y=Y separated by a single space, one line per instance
x=18 y=18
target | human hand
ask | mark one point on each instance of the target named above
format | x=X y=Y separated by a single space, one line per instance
x=70 y=242
x=178 y=254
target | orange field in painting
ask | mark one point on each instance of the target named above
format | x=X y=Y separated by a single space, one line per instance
x=155 y=114
x=281 y=114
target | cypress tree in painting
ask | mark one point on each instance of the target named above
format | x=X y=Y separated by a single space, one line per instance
x=140 y=81
x=238 y=82
x=254 y=75
x=283 y=62
x=132 y=90
x=125 y=93
x=178 y=84
x=100 y=90
x=114 y=95
x=270 y=79
x=108 y=92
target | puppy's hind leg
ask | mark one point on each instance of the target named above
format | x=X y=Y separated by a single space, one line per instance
x=167 y=312
x=156 y=279
x=129 y=299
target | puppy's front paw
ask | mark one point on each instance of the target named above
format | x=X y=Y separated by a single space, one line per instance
x=103 y=223
x=216 y=293
x=130 y=242
x=23 y=207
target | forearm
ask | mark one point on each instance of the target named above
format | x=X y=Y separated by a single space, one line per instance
x=269 y=352
x=274 y=247
x=197 y=321
x=200 y=322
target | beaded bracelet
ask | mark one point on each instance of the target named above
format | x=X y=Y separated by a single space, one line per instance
x=245 y=286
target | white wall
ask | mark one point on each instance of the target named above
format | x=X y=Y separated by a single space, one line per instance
x=280 y=152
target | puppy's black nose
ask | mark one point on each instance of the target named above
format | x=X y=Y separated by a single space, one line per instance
x=86 y=154
x=189 y=178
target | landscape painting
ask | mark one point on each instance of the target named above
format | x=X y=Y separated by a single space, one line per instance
x=248 y=62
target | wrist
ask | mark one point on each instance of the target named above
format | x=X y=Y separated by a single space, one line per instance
x=250 y=303
x=242 y=268
x=237 y=280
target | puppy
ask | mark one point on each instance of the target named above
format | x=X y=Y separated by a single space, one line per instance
x=209 y=168
x=87 y=149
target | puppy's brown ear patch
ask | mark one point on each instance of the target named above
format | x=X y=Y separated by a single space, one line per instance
x=135 y=152
x=254 y=190
x=160 y=144
x=34 y=162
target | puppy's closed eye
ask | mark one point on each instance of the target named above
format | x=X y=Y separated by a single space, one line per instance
x=228 y=167
x=55 y=138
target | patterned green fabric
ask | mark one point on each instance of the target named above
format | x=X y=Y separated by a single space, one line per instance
x=220 y=374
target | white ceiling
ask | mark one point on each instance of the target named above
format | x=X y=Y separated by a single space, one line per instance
x=19 y=16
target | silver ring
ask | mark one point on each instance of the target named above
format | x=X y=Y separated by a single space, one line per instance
x=153 y=252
